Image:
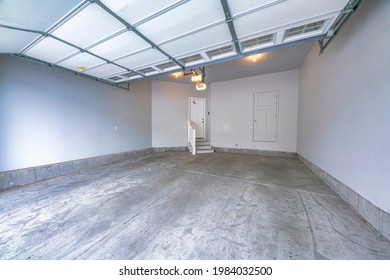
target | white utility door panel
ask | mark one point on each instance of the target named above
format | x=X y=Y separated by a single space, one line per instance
x=197 y=115
x=265 y=118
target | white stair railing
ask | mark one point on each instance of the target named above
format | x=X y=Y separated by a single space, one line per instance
x=191 y=137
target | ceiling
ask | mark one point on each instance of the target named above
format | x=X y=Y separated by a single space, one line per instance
x=121 y=40
x=269 y=62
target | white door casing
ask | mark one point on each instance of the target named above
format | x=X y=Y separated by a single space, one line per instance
x=265 y=116
x=197 y=114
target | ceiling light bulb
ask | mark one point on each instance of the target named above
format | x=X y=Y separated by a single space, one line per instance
x=255 y=57
x=201 y=86
x=177 y=74
x=197 y=78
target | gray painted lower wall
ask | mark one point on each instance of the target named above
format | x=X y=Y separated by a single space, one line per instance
x=232 y=150
x=170 y=149
x=255 y=152
x=21 y=177
x=375 y=216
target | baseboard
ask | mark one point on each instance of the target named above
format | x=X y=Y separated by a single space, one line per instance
x=375 y=216
x=256 y=152
x=170 y=149
x=232 y=150
x=21 y=177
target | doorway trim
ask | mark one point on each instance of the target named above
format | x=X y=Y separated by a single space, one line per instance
x=204 y=114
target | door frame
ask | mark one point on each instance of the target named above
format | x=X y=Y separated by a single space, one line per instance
x=263 y=92
x=204 y=114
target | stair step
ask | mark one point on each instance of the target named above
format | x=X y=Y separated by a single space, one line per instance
x=203 y=147
x=208 y=151
x=202 y=144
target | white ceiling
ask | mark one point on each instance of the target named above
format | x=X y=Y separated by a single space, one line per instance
x=121 y=40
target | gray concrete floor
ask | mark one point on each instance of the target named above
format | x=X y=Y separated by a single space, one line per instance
x=174 y=205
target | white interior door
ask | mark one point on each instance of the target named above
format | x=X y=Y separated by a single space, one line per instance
x=265 y=119
x=197 y=115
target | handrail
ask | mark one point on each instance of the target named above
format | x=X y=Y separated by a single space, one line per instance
x=191 y=137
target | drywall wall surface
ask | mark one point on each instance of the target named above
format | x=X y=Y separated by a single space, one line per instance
x=170 y=112
x=232 y=106
x=344 y=105
x=48 y=115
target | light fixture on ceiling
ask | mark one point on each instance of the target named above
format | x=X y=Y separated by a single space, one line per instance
x=177 y=74
x=198 y=79
x=255 y=57
x=200 y=86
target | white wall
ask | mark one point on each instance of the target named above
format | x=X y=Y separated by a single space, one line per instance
x=232 y=111
x=48 y=115
x=344 y=105
x=170 y=112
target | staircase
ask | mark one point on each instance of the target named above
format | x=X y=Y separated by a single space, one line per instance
x=197 y=145
x=203 y=147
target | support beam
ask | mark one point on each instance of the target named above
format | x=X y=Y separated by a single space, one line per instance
x=321 y=43
x=159 y=13
x=80 y=7
x=203 y=70
x=44 y=34
x=21 y=29
x=340 y=22
x=88 y=52
x=229 y=21
x=132 y=28
x=76 y=10
x=76 y=73
x=258 y=8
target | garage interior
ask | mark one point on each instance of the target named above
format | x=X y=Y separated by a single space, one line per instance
x=194 y=129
